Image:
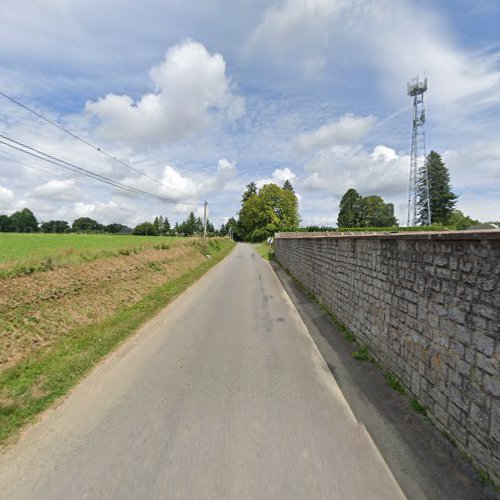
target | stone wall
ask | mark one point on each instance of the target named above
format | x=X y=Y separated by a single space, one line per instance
x=427 y=305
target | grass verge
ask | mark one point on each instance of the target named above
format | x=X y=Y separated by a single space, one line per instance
x=265 y=250
x=35 y=383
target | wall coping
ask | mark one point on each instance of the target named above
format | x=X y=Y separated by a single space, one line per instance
x=479 y=235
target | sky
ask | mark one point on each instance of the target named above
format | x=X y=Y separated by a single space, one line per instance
x=206 y=96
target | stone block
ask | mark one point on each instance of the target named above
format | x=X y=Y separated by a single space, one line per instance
x=492 y=384
x=478 y=418
x=495 y=421
x=482 y=343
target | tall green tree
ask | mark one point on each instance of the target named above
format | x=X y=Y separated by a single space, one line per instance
x=376 y=213
x=288 y=186
x=442 y=199
x=251 y=190
x=166 y=226
x=24 y=221
x=190 y=225
x=271 y=209
x=350 y=213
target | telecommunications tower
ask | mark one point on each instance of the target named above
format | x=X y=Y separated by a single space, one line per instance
x=419 y=205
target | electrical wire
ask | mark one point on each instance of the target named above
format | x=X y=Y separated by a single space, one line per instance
x=36 y=153
x=84 y=141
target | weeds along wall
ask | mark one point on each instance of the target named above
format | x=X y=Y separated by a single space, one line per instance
x=428 y=308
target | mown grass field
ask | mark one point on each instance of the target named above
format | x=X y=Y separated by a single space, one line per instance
x=27 y=253
x=17 y=246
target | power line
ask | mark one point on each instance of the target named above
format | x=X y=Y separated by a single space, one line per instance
x=36 y=153
x=84 y=141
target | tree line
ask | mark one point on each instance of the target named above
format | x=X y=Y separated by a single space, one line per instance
x=25 y=221
x=273 y=208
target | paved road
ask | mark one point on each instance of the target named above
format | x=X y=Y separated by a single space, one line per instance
x=223 y=395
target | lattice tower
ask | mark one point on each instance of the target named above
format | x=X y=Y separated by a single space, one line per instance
x=419 y=208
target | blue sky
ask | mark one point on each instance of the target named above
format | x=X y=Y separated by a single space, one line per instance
x=208 y=96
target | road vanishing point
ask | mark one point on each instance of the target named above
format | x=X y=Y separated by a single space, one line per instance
x=224 y=395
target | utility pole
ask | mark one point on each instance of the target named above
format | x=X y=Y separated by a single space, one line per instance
x=205 y=222
x=418 y=189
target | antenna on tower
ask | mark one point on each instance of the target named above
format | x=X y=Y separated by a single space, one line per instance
x=419 y=204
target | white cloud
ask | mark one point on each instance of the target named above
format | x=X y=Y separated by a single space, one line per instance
x=56 y=190
x=300 y=27
x=6 y=198
x=191 y=86
x=381 y=171
x=346 y=130
x=114 y=210
x=280 y=175
x=383 y=35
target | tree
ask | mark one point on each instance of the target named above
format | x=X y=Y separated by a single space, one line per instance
x=460 y=221
x=376 y=213
x=190 y=225
x=250 y=191
x=288 y=186
x=115 y=228
x=271 y=209
x=350 y=212
x=442 y=199
x=24 y=221
x=55 y=226
x=166 y=226
x=86 y=224
x=145 y=229
x=5 y=224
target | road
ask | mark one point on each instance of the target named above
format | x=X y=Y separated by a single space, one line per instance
x=223 y=395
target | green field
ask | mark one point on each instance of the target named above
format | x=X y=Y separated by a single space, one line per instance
x=23 y=253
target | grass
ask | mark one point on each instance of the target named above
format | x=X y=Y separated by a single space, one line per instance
x=34 y=383
x=265 y=250
x=394 y=383
x=417 y=407
x=362 y=354
x=27 y=253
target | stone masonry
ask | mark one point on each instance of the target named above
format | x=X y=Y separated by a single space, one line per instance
x=427 y=305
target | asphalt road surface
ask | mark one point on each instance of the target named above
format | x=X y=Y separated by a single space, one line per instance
x=223 y=395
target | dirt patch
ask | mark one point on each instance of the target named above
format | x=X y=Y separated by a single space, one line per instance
x=36 y=310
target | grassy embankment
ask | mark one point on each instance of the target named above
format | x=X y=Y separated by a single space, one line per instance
x=56 y=324
x=265 y=250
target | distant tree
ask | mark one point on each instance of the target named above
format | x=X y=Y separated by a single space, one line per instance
x=199 y=225
x=288 y=186
x=55 y=226
x=376 y=213
x=5 y=224
x=190 y=225
x=442 y=199
x=210 y=228
x=350 y=213
x=24 y=221
x=460 y=221
x=166 y=226
x=86 y=224
x=145 y=229
x=250 y=191
x=115 y=228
